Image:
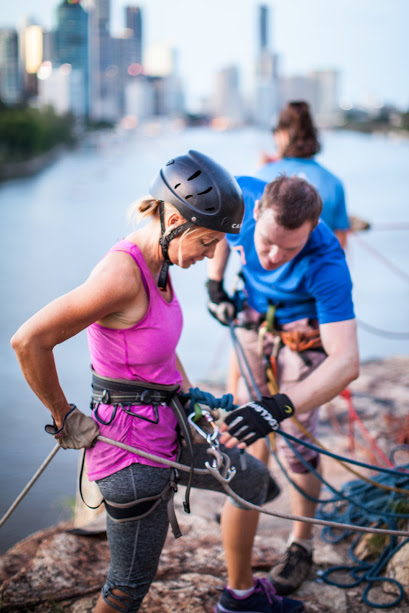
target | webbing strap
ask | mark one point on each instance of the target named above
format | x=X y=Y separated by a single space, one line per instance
x=164 y=243
x=138 y=509
x=185 y=428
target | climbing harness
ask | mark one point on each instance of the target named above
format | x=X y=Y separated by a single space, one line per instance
x=123 y=394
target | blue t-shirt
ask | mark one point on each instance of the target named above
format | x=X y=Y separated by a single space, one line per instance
x=329 y=187
x=315 y=284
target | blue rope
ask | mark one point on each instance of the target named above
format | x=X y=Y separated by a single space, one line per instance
x=359 y=513
x=390 y=471
x=197 y=395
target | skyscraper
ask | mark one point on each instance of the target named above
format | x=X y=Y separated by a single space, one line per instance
x=266 y=74
x=102 y=69
x=133 y=16
x=71 y=41
x=263 y=28
x=10 y=82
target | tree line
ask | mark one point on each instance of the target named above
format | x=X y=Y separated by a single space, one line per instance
x=27 y=132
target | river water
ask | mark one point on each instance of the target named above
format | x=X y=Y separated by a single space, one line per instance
x=57 y=225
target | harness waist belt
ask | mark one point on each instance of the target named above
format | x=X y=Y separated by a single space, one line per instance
x=118 y=391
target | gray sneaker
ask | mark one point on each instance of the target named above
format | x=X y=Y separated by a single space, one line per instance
x=293 y=568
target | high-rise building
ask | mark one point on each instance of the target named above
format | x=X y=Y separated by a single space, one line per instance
x=326 y=102
x=103 y=72
x=319 y=88
x=71 y=41
x=263 y=40
x=10 y=81
x=228 y=104
x=61 y=87
x=133 y=17
x=266 y=74
x=30 y=55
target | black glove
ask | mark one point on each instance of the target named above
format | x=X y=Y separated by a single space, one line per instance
x=256 y=419
x=220 y=305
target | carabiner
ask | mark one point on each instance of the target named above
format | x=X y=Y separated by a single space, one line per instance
x=211 y=438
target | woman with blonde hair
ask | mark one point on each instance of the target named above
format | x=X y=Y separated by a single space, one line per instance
x=133 y=320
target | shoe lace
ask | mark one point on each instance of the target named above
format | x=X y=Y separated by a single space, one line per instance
x=269 y=590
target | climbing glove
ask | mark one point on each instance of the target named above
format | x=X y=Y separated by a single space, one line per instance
x=77 y=431
x=220 y=305
x=256 y=419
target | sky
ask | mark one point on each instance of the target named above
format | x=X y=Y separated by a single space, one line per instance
x=366 y=40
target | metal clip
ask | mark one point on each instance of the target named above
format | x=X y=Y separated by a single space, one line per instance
x=211 y=438
x=221 y=462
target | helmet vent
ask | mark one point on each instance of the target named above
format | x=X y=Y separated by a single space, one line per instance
x=170 y=162
x=206 y=191
x=177 y=185
x=195 y=175
x=189 y=196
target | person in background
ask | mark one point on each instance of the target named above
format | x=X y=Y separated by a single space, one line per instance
x=298 y=333
x=297 y=143
x=133 y=320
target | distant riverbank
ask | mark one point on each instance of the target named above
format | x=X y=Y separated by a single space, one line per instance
x=28 y=168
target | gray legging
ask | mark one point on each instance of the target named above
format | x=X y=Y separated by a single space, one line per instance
x=135 y=546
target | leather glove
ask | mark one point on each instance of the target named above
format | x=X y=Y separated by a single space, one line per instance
x=78 y=431
x=256 y=419
x=220 y=305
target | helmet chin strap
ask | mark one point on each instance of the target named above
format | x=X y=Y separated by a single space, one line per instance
x=164 y=243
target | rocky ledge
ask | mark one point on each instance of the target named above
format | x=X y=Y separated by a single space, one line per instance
x=56 y=570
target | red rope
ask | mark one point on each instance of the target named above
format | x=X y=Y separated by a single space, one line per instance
x=354 y=417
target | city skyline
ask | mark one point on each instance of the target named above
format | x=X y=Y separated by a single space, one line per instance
x=364 y=40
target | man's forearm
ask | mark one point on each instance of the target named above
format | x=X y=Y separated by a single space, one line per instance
x=324 y=383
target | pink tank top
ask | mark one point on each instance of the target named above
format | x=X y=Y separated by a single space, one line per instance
x=144 y=352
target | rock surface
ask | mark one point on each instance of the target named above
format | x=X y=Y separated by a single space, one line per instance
x=58 y=571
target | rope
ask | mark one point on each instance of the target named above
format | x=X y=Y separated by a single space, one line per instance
x=215 y=472
x=389 y=226
x=30 y=484
x=354 y=503
x=354 y=417
x=362 y=570
x=386 y=333
x=403 y=274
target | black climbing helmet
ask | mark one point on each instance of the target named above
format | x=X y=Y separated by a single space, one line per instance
x=204 y=192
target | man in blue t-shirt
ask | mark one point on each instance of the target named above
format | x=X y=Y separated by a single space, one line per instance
x=293 y=268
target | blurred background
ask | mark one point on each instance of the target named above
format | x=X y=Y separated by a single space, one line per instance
x=96 y=95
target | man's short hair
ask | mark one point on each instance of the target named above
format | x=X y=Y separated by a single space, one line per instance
x=293 y=200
